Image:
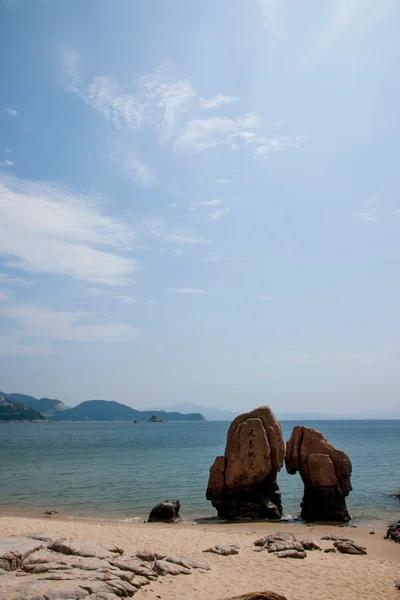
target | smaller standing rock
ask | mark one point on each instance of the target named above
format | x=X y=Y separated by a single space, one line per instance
x=279 y=536
x=349 y=547
x=224 y=550
x=166 y=512
x=291 y=553
x=393 y=532
x=163 y=567
x=397 y=584
x=330 y=550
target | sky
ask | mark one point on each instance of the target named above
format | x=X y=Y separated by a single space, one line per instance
x=199 y=202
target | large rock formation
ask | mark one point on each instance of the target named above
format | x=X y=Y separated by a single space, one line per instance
x=325 y=472
x=242 y=484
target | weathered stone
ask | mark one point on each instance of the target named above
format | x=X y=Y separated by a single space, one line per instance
x=224 y=550
x=163 y=567
x=397 y=584
x=336 y=538
x=349 y=547
x=310 y=545
x=188 y=563
x=134 y=565
x=13 y=550
x=393 y=532
x=242 y=484
x=258 y=596
x=325 y=472
x=281 y=546
x=141 y=581
x=291 y=553
x=44 y=536
x=149 y=556
x=166 y=512
x=329 y=550
x=84 y=548
x=279 y=536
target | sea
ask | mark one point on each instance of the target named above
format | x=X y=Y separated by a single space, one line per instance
x=121 y=470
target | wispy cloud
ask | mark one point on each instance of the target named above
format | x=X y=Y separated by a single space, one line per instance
x=12 y=112
x=201 y=134
x=224 y=181
x=42 y=322
x=124 y=299
x=173 y=205
x=6 y=163
x=9 y=280
x=7 y=150
x=218 y=100
x=277 y=144
x=11 y=345
x=369 y=211
x=185 y=240
x=217 y=214
x=47 y=230
x=194 y=291
x=211 y=257
x=215 y=202
x=271 y=14
x=304 y=358
x=4 y=296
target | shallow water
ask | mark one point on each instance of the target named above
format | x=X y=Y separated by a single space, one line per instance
x=120 y=470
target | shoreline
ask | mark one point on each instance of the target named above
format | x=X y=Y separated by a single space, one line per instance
x=63 y=516
x=330 y=576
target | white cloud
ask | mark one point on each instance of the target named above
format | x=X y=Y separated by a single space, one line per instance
x=201 y=134
x=277 y=144
x=188 y=240
x=188 y=291
x=223 y=181
x=209 y=202
x=271 y=13
x=173 y=205
x=6 y=163
x=217 y=214
x=369 y=211
x=178 y=251
x=130 y=166
x=304 y=358
x=41 y=322
x=6 y=279
x=218 y=100
x=47 y=230
x=12 y=112
x=7 y=150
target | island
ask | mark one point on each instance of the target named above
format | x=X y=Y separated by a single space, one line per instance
x=14 y=411
x=155 y=419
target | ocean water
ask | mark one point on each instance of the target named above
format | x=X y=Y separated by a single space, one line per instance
x=121 y=470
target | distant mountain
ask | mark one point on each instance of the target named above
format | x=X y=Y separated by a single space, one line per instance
x=47 y=406
x=211 y=414
x=14 y=411
x=96 y=410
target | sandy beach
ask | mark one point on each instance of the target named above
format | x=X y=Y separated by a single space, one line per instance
x=321 y=576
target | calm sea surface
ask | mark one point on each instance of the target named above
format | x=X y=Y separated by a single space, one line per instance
x=121 y=470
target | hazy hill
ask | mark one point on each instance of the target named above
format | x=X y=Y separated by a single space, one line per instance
x=211 y=414
x=96 y=410
x=46 y=406
x=13 y=411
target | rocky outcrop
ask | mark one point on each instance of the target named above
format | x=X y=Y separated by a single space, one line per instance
x=393 y=532
x=166 y=512
x=242 y=484
x=325 y=472
x=47 y=567
x=349 y=547
x=224 y=550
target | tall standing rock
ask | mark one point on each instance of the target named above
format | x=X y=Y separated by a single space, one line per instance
x=325 y=472
x=242 y=484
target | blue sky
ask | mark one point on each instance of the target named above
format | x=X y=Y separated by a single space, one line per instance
x=199 y=202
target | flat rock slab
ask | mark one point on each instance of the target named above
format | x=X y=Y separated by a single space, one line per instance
x=163 y=567
x=279 y=536
x=13 y=550
x=84 y=548
x=283 y=546
x=337 y=538
x=258 y=596
x=44 y=536
x=349 y=547
x=290 y=553
x=224 y=550
x=47 y=567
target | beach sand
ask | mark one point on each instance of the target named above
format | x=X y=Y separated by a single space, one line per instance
x=320 y=576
